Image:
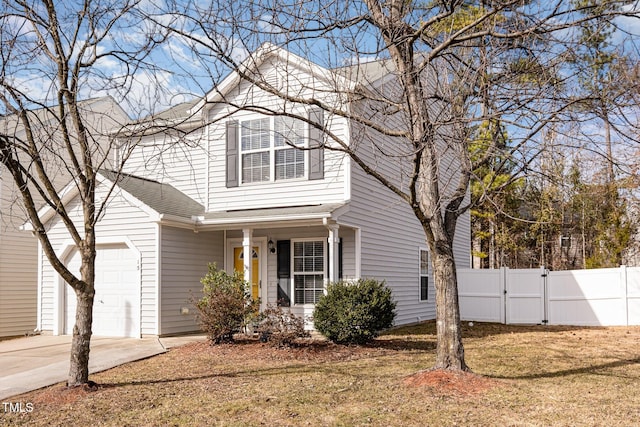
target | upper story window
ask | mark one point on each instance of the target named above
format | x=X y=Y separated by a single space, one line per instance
x=267 y=150
x=263 y=149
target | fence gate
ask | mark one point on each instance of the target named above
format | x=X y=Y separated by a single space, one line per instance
x=525 y=296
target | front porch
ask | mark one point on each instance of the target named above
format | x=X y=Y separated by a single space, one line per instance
x=291 y=266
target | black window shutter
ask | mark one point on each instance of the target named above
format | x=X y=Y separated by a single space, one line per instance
x=284 y=272
x=284 y=259
x=232 y=154
x=316 y=156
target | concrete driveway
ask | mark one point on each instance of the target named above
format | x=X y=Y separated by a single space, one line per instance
x=34 y=362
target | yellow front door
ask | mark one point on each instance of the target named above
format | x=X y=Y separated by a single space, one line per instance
x=238 y=265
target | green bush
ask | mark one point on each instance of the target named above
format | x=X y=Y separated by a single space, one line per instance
x=280 y=327
x=354 y=313
x=226 y=305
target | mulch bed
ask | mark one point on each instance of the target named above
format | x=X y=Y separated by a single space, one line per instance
x=453 y=383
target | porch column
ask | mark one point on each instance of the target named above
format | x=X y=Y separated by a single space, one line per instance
x=247 y=248
x=334 y=255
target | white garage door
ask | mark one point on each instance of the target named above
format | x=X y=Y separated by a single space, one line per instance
x=116 y=307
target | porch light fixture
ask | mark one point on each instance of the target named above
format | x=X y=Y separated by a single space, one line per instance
x=271 y=246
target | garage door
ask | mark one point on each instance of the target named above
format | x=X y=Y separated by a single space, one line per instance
x=116 y=307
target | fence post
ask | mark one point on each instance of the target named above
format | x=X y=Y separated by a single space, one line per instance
x=503 y=297
x=544 y=273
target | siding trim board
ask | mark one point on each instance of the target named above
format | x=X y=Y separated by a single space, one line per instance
x=358 y=247
x=158 y=278
x=39 y=291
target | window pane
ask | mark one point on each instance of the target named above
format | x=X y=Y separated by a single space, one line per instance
x=424 y=262
x=254 y=134
x=308 y=264
x=255 y=167
x=288 y=131
x=289 y=163
x=308 y=249
x=308 y=288
x=424 y=288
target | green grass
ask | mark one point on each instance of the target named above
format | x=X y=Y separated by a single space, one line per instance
x=530 y=376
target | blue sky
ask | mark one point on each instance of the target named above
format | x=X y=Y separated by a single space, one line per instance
x=174 y=74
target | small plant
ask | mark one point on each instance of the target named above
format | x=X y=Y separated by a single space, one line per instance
x=280 y=327
x=354 y=313
x=226 y=306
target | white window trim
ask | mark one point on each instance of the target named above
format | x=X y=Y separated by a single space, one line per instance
x=420 y=275
x=272 y=153
x=292 y=264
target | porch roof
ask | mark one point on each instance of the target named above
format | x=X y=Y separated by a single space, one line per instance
x=284 y=215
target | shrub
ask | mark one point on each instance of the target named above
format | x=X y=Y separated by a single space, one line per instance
x=226 y=306
x=354 y=313
x=280 y=327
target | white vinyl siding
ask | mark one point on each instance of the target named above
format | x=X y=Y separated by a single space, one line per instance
x=182 y=164
x=287 y=185
x=18 y=264
x=18 y=278
x=184 y=261
x=391 y=235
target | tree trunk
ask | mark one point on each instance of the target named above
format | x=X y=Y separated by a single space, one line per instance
x=450 y=351
x=85 y=293
x=79 y=366
x=611 y=176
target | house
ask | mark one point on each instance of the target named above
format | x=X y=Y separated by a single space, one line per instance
x=19 y=262
x=206 y=182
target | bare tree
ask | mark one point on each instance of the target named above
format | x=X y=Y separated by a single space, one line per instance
x=54 y=54
x=420 y=76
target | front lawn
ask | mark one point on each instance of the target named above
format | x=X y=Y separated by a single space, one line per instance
x=535 y=375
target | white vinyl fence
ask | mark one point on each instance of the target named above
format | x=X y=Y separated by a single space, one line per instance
x=600 y=297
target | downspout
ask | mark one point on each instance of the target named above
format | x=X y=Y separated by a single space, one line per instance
x=39 y=290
